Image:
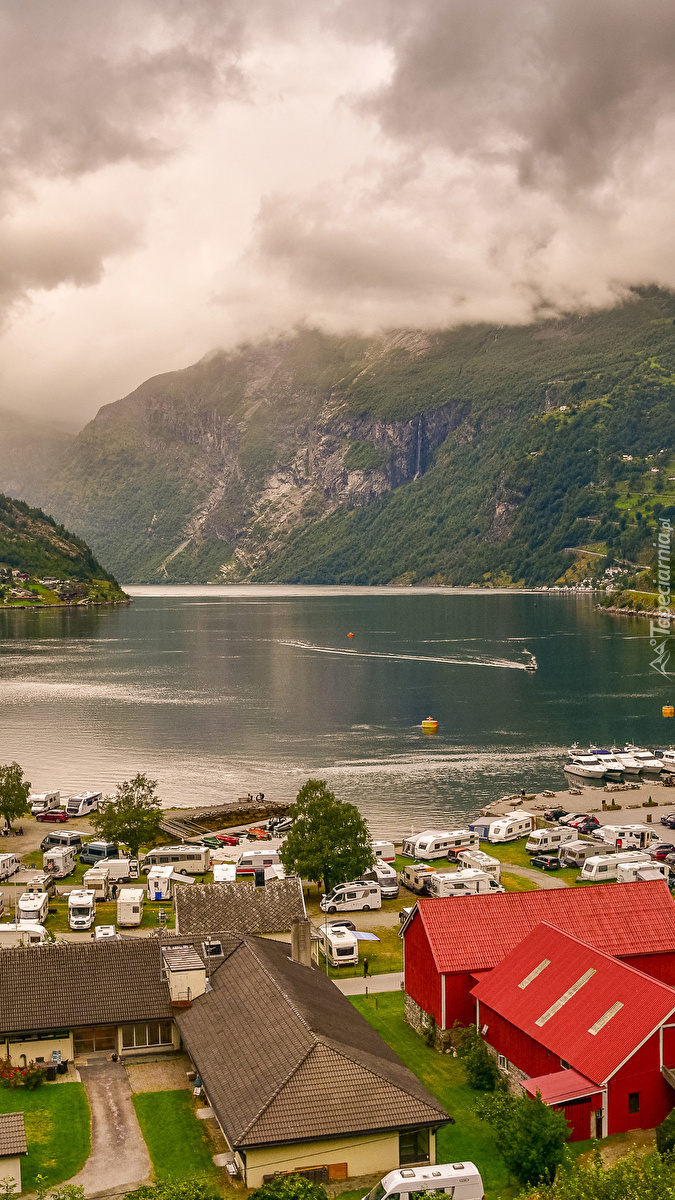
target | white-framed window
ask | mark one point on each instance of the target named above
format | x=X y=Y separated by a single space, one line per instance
x=502 y=1062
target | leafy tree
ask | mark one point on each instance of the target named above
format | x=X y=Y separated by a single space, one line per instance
x=289 y=1187
x=166 y=1189
x=132 y=816
x=329 y=840
x=665 y=1132
x=14 y=792
x=482 y=1072
x=530 y=1136
x=637 y=1178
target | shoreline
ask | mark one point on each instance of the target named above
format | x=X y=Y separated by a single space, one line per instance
x=66 y=604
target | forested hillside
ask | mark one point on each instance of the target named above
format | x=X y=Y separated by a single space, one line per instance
x=473 y=455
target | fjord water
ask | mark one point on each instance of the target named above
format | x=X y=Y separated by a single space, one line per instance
x=220 y=691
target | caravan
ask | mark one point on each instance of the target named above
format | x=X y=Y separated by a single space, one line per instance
x=130 y=907
x=481 y=827
x=602 y=867
x=252 y=860
x=23 y=933
x=42 y=802
x=511 y=826
x=627 y=837
x=481 y=862
x=384 y=852
x=641 y=872
x=460 y=1180
x=161 y=882
x=574 y=854
x=432 y=843
x=187 y=860
x=83 y=804
x=548 y=841
x=340 y=946
x=468 y=882
x=9 y=865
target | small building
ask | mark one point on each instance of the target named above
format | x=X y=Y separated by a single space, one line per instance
x=267 y=911
x=12 y=1147
x=594 y=1037
x=449 y=947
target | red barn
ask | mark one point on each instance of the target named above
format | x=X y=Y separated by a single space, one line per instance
x=450 y=943
x=595 y=1037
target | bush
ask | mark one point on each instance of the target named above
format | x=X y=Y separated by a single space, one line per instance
x=482 y=1072
x=30 y=1077
x=665 y=1134
x=186 y=1189
x=529 y=1136
x=289 y=1187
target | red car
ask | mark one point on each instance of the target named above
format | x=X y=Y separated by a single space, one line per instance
x=53 y=814
x=658 y=852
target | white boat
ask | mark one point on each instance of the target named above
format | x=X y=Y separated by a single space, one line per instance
x=667 y=757
x=630 y=764
x=612 y=764
x=586 y=766
x=648 y=762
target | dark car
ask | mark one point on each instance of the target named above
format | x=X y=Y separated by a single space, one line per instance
x=668 y=820
x=588 y=826
x=53 y=814
x=555 y=814
x=659 y=850
x=670 y=859
x=546 y=862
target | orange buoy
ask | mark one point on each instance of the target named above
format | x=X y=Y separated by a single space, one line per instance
x=350 y=635
x=430 y=725
x=668 y=710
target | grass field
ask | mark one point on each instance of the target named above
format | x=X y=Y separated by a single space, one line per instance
x=178 y=1143
x=57 y=1131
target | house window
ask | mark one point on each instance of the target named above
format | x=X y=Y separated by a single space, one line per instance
x=502 y=1062
x=413 y=1146
x=91 y=1041
x=212 y=949
x=633 y=1102
x=146 y=1033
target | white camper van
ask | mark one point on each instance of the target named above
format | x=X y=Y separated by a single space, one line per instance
x=41 y=802
x=384 y=874
x=481 y=861
x=362 y=895
x=549 y=841
x=604 y=866
x=641 y=872
x=339 y=946
x=468 y=882
x=59 y=861
x=511 y=826
x=22 y=933
x=32 y=907
x=130 y=907
x=574 y=854
x=119 y=868
x=460 y=1180
x=384 y=851
x=98 y=880
x=83 y=804
x=81 y=909
x=9 y=865
x=186 y=860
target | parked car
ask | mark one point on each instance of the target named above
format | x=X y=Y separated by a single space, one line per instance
x=546 y=862
x=555 y=814
x=660 y=849
x=53 y=814
x=670 y=859
x=668 y=820
x=583 y=819
x=572 y=817
x=587 y=826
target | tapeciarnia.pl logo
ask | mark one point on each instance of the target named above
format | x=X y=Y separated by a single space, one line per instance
x=659 y=629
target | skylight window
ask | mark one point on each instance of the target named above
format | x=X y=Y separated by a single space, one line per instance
x=546 y=962
x=602 y=1021
x=571 y=991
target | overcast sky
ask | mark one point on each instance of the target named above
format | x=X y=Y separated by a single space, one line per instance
x=177 y=176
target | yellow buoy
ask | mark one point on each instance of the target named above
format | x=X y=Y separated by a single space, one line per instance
x=668 y=710
x=429 y=724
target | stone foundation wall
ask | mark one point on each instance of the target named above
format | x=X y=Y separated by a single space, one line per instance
x=511 y=1074
x=425 y=1026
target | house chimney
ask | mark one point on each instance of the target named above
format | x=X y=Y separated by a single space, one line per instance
x=301 y=942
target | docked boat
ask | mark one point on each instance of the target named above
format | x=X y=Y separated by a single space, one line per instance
x=614 y=768
x=667 y=757
x=585 y=766
x=630 y=763
x=648 y=761
x=532 y=664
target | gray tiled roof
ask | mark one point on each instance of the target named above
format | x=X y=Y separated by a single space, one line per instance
x=12 y=1134
x=285 y=1057
x=84 y=983
x=239 y=907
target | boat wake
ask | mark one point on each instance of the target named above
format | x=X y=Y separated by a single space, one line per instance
x=461 y=662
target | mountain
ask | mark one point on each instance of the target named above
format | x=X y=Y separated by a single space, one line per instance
x=56 y=567
x=29 y=453
x=478 y=454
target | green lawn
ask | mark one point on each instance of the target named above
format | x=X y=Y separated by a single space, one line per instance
x=178 y=1143
x=469 y=1138
x=57 y=1130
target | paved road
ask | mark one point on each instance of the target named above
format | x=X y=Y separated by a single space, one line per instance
x=544 y=881
x=119 y=1158
x=375 y=983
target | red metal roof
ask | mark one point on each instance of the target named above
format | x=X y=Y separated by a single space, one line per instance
x=476 y=932
x=585 y=1006
x=559 y=1087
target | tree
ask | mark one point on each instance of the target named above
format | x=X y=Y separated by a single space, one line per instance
x=641 y=1178
x=167 y=1189
x=530 y=1136
x=665 y=1132
x=14 y=792
x=482 y=1072
x=328 y=840
x=289 y=1187
x=132 y=816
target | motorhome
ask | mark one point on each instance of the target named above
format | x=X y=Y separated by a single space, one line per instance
x=63 y=837
x=601 y=867
x=481 y=862
x=130 y=907
x=41 y=802
x=83 y=804
x=384 y=874
x=546 y=841
x=187 y=860
x=628 y=837
x=641 y=872
x=361 y=895
x=252 y=859
x=574 y=854
x=161 y=881
x=97 y=879
x=120 y=869
x=415 y=877
x=384 y=851
x=511 y=826
x=22 y=934
x=436 y=843
x=461 y=1180
x=224 y=872
x=467 y=882
x=339 y=946
x=81 y=909
x=9 y=865
x=59 y=861
x=32 y=907
x=41 y=882
x=94 y=852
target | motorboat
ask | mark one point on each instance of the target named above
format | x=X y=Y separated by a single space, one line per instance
x=667 y=757
x=613 y=765
x=648 y=761
x=532 y=664
x=586 y=766
x=630 y=763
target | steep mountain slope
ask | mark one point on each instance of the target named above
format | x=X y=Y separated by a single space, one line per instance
x=449 y=455
x=29 y=453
